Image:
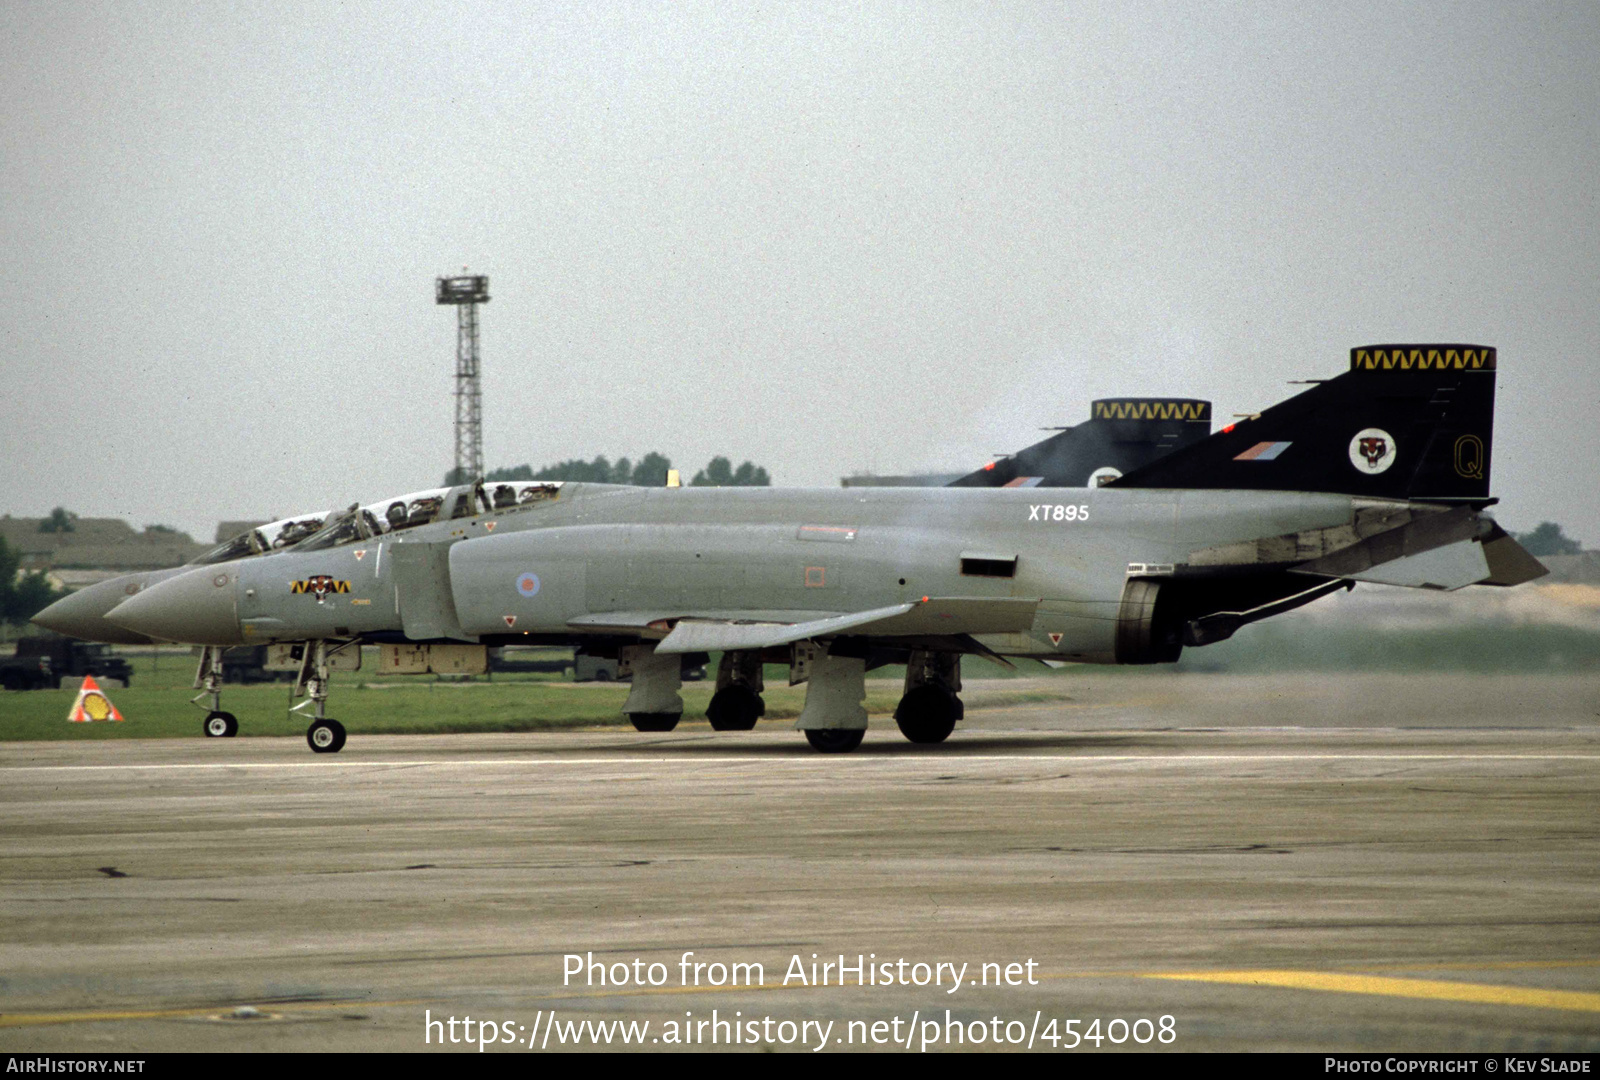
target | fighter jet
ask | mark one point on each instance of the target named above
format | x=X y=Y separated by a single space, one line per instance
x=1121 y=434
x=82 y=614
x=1378 y=474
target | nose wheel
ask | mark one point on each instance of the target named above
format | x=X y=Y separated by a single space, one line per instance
x=325 y=736
x=208 y=680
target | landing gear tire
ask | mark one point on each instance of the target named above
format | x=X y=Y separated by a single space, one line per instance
x=735 y=708
x=928 y=714
x=654 y=721
x=325 y=737
x=221 y=725
x=834 y=740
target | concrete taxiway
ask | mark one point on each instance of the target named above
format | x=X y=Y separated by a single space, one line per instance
x=1304 y=863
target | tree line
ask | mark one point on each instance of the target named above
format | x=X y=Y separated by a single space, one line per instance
x=648 y=471
x=1548 y=539
x=22 y=596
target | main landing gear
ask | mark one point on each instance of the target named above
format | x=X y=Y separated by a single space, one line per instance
x=208 y=680
x=653 y=703
x=737 y=704
x=324 y=736
x=833 y=718
x=834 y=740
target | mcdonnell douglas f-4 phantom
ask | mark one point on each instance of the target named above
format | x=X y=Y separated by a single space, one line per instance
x=1380 y=474
x=1122 y=434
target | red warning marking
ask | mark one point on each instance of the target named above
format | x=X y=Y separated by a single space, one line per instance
x=1055 y=639
x=511 y=620
x=488 y=526
x=92 y=704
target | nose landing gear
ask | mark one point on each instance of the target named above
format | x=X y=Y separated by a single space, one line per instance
x=208 y=680
x=324 y=736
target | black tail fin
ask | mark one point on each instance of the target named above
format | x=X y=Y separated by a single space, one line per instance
x=1122 y=434
x=1406 y=421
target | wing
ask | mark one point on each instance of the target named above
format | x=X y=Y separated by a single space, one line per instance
x=687 y=632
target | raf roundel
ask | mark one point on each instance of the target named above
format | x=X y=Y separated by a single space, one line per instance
x=1372 y=451
x=528 y=584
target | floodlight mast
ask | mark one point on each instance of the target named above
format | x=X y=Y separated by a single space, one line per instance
x=466 y=293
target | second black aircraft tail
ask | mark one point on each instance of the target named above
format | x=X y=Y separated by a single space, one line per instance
x=1405 y=422
x=1121 y=435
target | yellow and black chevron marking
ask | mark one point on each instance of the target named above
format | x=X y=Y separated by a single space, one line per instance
x=1422 y=358
x=1146 y=409
x=312 y=585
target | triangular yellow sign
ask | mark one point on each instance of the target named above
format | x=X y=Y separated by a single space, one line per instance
x=92 y=704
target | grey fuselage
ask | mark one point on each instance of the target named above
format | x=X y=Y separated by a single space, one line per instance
x=604 y=560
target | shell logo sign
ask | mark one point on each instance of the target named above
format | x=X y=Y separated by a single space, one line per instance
x=92 y=704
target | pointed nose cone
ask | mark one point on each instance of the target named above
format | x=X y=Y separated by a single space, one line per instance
x=83 y=613
x=194 y=608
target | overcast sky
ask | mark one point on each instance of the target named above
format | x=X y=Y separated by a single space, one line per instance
x=824 y=238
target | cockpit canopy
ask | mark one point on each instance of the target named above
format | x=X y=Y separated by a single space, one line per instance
x=523 y=493
x=402 y=512
x=274 y=536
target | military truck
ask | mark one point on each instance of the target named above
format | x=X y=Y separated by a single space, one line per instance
x=43 y=661
x=526 y=661
x=248 y=664
x=585 y=667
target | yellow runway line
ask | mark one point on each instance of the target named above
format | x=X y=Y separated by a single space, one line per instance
x=1480 y=965
x=29 y=1019
x=16 y=1019
x=1385 y=986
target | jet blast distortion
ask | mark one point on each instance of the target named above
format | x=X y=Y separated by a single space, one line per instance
x=466 y=293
